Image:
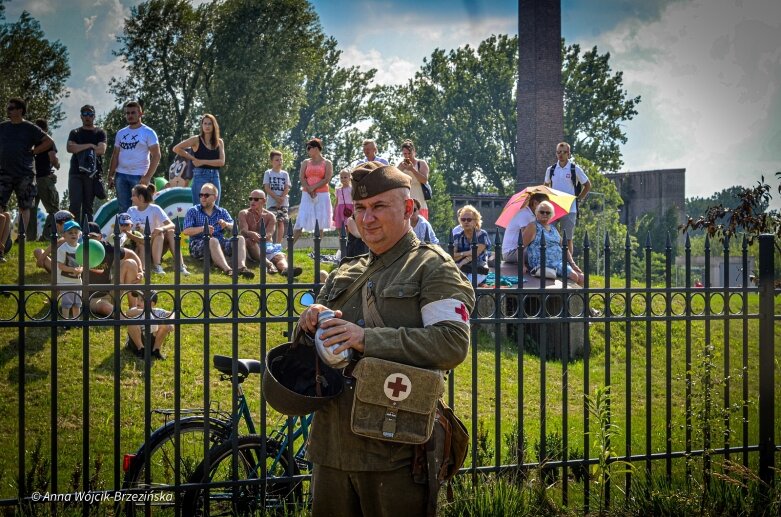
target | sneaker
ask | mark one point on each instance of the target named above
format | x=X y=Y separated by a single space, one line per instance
x=158 y=269
x=183 y=270
x=157 y=355
x=296 y=272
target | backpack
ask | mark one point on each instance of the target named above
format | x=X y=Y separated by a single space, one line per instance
x=575 y=183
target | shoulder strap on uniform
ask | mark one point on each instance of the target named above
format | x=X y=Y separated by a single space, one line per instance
x=552 y=170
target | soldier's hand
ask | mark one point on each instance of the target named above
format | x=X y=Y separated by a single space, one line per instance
x=348 y=334
x=308 y=319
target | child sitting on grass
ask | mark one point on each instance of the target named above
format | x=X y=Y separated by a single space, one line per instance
x=158 y=333
x=69 y=271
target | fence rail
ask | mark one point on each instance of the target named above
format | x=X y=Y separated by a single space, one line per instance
x=701 y=360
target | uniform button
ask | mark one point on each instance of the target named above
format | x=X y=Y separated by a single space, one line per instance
x=361 y=323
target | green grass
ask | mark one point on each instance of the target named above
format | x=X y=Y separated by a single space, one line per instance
x=198 y=343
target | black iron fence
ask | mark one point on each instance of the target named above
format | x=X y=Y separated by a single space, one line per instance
x=690 y=372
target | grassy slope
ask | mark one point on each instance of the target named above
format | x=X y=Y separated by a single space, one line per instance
x=101 y=373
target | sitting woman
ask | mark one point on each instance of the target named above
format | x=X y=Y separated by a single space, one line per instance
x=470 y=221
x=160 y=226
x=532 y=236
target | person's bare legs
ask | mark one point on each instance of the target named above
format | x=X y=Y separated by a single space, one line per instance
x=162 y=332
x=280 y=232
x=134 y=331
x=42 y=260
x=157 y=249
x=253 y=250
x=5 y=230
x=296 y=235
x=218 y=257
x=171 y=242
x=25 y=219
x=242 y=245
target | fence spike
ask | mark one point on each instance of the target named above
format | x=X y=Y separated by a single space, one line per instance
x=707 y=244
x=688 y=245
x=116 y=225
x=607 y=241
x=586 y=242
x=147 y=231
x=648 y=240
x=668 y=244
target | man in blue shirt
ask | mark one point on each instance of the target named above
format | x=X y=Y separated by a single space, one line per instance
x=219 y=222
x=370 y=151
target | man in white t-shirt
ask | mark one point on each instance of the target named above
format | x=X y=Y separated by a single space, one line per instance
x=135 y=157
x=559 y=177
x=276 y=183
x=524 y=217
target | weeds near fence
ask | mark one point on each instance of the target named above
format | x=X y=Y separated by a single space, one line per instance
x=607 y=466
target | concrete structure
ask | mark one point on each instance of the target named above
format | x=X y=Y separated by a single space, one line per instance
x=540 y=95
x=716 y=270
x=650 y=191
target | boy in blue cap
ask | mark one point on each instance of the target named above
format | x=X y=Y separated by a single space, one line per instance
x=68 y=270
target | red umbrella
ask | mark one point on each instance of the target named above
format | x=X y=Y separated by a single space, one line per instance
x=561 y=202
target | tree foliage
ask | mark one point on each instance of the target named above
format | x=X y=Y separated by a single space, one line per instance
x=595 y=105
x=747 y=215
x=34 y=68
x=460 y=109
x=264 y=69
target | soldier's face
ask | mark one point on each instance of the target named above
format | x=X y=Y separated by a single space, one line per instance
x=383 y=219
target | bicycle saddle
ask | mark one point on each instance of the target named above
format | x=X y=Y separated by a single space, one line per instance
x=224 y=364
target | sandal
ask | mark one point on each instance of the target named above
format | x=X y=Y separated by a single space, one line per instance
x=246 y=273
x=227 y=272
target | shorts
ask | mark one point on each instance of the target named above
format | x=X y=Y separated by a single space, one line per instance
x=567 y=224
x=70 y=299
x=197 y=248
x=281 y=213
x=24 y=187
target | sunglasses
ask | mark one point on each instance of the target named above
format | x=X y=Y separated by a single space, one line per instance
x=87 y=114
x=544 y=212
x=257 y=198
x=466 y=219
x=204 y=194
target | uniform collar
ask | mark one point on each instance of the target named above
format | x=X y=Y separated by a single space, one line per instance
x=402 y=247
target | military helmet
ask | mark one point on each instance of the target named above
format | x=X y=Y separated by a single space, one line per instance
x=290 y=380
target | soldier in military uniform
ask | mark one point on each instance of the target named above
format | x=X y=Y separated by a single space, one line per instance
x=425 y=303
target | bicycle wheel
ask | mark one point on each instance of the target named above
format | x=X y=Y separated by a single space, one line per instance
x=163 y=456
x=249 y=498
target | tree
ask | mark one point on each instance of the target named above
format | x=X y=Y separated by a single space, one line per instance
x=34 y=68
x=595 y=105
x=166 y=51
x=334 y=102
x=460 y=110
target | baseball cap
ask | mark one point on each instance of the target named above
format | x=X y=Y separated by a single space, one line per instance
x=124 y=218
x=62 y=215
x=70 y=225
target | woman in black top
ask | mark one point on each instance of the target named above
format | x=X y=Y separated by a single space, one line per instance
x=208 y=156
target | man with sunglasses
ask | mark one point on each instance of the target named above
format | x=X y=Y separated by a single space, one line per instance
x=20 y=141
x=250 y=227
x=82 y=142
x=219 y=224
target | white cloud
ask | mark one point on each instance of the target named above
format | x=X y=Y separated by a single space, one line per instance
x=89 y=22
x=390 y=70
x=709 y=75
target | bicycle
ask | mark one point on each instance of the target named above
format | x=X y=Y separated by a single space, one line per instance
x=192 y=435
x=218 y=492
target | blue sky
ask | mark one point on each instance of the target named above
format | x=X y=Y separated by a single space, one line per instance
x=709 y=71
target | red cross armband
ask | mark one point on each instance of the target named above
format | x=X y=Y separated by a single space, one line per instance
x=448 y=309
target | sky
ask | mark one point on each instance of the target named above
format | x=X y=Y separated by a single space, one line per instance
x=708 y=71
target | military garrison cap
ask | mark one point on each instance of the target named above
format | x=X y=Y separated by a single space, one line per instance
x=372 y=178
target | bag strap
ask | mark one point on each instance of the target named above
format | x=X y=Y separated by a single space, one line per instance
x=573 y=174
x=371 y=315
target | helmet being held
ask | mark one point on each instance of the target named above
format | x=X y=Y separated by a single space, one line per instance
x=296 y=382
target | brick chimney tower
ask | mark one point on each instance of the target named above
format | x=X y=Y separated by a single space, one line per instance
x=540 y=92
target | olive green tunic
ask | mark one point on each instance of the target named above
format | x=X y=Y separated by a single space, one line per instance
x=412 y=275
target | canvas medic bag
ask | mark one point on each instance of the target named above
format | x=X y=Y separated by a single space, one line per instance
x=395 y=402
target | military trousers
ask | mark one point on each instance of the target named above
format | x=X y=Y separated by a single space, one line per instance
x=338 y=493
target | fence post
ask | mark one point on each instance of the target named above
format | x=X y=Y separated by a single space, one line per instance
x=767 y=443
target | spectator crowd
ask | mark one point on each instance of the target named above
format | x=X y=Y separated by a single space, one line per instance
x=29 y=161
